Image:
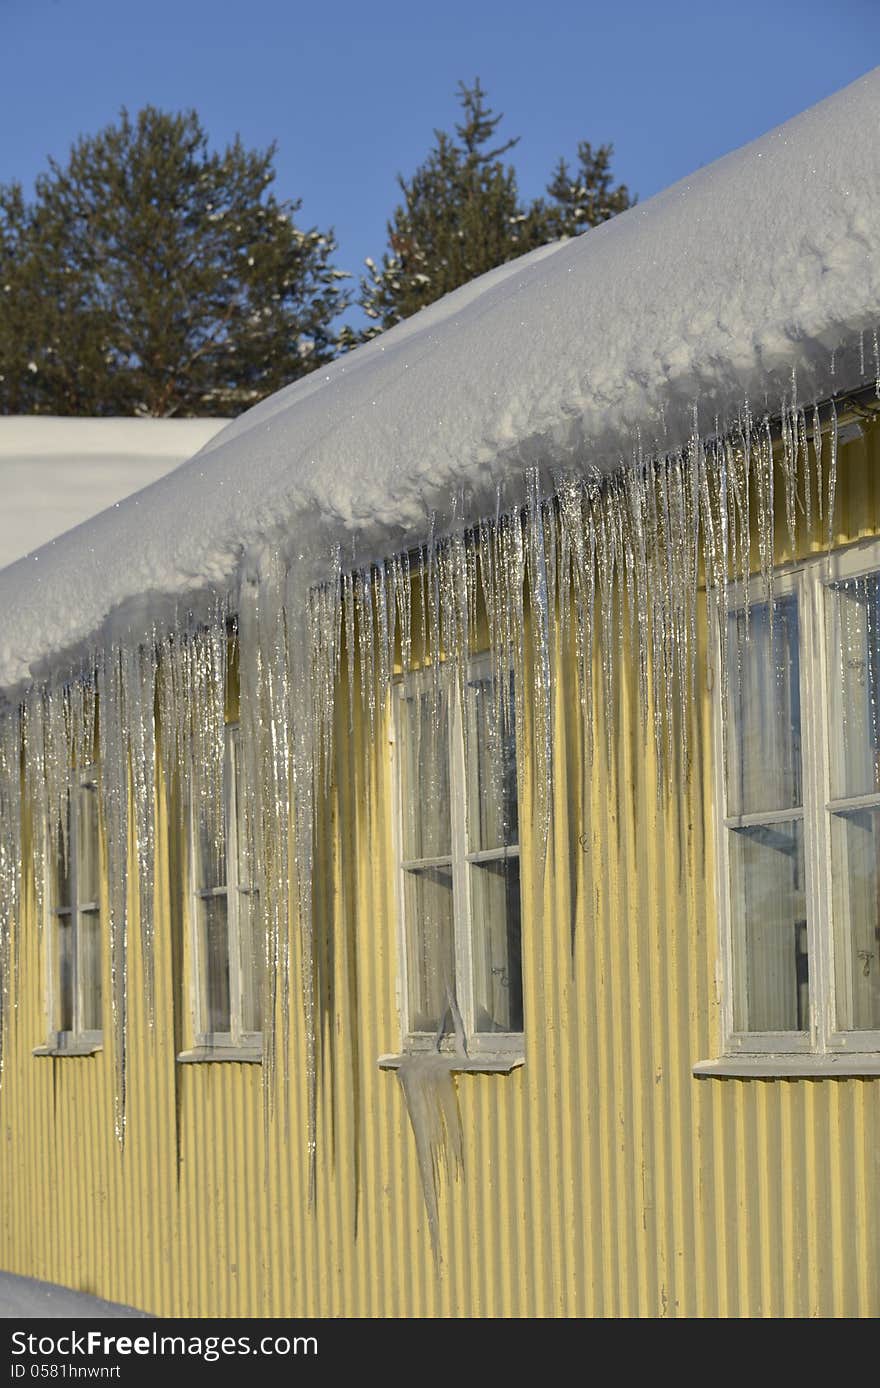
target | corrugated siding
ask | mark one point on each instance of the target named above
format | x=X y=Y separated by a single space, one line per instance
x=601 y=1179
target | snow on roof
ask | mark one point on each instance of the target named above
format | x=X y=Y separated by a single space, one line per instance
x=56 y=473
x=764 y=264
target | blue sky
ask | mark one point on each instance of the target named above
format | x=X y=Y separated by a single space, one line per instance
x=352 y=93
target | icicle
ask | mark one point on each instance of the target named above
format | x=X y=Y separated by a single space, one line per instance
x=384 y=631
x=451 y=580
x=432 y=1105
x=139 y=696
x=295 y=678
x=605 y=566
x=747 y=517
x=689 y=545
x=832 y=478
x=617 y=502
x=366 y=645
x=669 y=631
x=433 y=617
x=10 y=867
x=789 y=464
x=764 y=507
x=657 y=589
x=402 y=583
x=563 y=486
x=510 y=570
x=542 y=690
x=324 y=616
x=574 y=540
x=635 y=482
x=115 y=800
x=348 y=602
x=485 y=545
x=817 y=450
x=804 y=451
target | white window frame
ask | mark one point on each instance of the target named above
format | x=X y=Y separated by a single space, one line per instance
x=826 y=1047
x=477 y=1050
x=78 y=1040
x=236 y=1043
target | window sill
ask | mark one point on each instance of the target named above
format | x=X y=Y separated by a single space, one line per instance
x=465 y=1064
x=830 y=1064
x=206 y=1055
x=60 y=1048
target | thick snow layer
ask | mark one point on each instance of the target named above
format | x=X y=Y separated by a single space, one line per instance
x=710 y=294
x=56 y=473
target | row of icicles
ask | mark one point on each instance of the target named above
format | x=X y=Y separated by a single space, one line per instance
x=601 y=561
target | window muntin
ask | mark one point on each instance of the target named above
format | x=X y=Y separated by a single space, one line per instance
x=799 y=840
x=459 y=862
x=227 y=944
x=74 y=908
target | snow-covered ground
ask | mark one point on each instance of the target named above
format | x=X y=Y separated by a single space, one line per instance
x=27 y=1299
x=56 y=473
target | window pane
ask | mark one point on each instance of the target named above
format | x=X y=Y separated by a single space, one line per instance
x=853 y=613
x=770 y=932
x=764 y=722
x=88 y=876
x=214 y=951
x=252 y=943
x=90 y=970
x=59 y=867
x=237 y=808
x=855 y=850
x=250 y=924
x=64 y=953
x=425 y=776
x=491 y=775
x=495 y=906
x=210 y=846
x=430 y=949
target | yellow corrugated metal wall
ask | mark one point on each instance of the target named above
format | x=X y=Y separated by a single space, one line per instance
x=601 y=1179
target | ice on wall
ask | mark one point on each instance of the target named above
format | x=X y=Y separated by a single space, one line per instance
x=580 y=439
x=432 y=1104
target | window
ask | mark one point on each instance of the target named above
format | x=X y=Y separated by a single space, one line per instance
x=74 y=920
x=459 y=864
x=799 y=816
x=227 y=938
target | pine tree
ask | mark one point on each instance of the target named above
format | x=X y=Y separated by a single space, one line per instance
x=461 y=215
x=14 y=275
x=153 y=276
x=585 y=200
